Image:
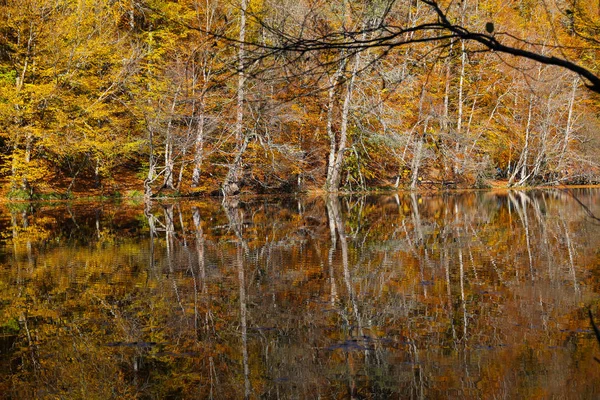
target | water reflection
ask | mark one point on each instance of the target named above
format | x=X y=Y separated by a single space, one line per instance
x=472 y=295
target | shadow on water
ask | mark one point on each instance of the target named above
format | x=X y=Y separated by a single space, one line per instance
x=471 y=295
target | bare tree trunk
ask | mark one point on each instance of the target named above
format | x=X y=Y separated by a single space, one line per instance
x=199 y=151
x=181 y=169
x=416 y=162
x=339 y=147
x=151 y=167
x=21 y=79
x=335 y=170
x=97 y=180
x=231 y=185
x=417 y=155
x=525 y=153
x=446 y=115
x=463 y=59
x=521 y=167
x=569 y=127
x=543 y=145
x=28 y=148
x=206 y=70
x=169 y=164
x=131 y=14
x=330 y=131
x=18 y=86
x=461 y=83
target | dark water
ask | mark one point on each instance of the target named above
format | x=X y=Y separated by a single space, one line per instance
x=473 y=295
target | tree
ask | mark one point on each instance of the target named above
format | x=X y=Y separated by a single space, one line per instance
x=65 y=66
x=232 y=182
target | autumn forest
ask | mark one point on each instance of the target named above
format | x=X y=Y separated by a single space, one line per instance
x=192 y=97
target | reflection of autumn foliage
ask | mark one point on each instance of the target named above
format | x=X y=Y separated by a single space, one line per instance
x=473 y=295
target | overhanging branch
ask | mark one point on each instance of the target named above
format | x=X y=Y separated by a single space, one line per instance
x=389 y=37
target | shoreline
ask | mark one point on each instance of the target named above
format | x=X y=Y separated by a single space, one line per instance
x=495 y=186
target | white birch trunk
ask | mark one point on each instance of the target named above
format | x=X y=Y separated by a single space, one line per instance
x=199 y=151
x=330 y=132
x=569 y=126
x=521 y=167
x=459 y=118
x=334 y=179
x=231 y=185
x=416 y=163
x=169 y=163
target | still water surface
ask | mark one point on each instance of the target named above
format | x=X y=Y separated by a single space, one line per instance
x=474 y=295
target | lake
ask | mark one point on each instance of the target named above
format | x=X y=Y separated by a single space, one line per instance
x=472 y=295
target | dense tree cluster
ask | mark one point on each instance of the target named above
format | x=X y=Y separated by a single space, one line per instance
x=202 y=96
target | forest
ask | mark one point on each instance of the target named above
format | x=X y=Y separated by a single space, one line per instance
x=194 y=97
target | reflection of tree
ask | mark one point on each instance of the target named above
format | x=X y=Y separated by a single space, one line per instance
x=336 y=224
x=151 y=219
x=521 y=209
x=432 y=298
x=236 y=222
x=584 y=206
x=596 y=331
x=538 y=239
x=201 y=266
